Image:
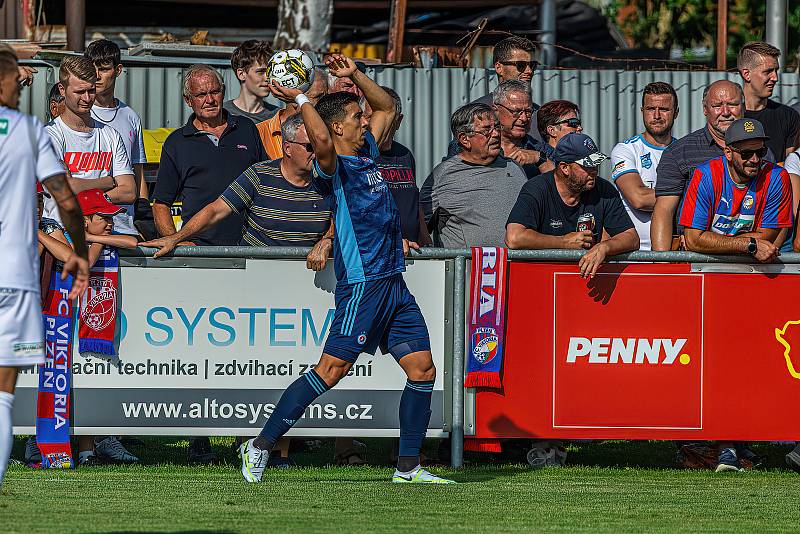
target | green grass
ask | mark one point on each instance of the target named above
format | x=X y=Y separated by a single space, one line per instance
x=607 y=486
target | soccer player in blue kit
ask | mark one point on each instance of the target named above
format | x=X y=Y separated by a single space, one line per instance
x=373 y=305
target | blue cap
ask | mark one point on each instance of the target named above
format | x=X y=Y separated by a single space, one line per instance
x=578 y=148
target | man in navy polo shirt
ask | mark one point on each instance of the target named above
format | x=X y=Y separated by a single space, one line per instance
x=201 y=159
x=198 y=162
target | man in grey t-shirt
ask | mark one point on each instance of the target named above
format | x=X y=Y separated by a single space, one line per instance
x=467 y=197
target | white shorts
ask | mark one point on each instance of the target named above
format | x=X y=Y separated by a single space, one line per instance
x=21 y=330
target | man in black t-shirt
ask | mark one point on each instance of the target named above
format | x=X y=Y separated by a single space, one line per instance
x=572 y=208
x=398 y=170
x=758 y=66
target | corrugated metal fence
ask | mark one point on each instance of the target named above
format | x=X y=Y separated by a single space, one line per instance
x=609 y=100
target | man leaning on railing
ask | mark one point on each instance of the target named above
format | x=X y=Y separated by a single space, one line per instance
x=572 y=208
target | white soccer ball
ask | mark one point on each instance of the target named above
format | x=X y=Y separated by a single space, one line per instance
x=291 y=68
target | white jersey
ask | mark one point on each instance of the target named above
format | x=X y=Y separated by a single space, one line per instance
x=100 y=152
x=127 y=122
x=637 y=155
x=26 y=155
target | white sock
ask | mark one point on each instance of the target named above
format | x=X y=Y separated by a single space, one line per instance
x=6 y=431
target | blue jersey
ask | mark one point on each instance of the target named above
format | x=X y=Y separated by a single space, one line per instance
x=368 y=243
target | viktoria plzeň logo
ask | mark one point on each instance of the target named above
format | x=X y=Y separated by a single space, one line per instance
x=484 y=344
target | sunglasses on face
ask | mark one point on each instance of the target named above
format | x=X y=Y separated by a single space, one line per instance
x=749 y=153
x=521 y=65
x=572 y=123
x=308 y=146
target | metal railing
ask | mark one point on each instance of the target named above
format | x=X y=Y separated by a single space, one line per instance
x=460 y=257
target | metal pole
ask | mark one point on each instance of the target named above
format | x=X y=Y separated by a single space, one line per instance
x=76 y=25
x=722 y=34
x=397 y=27
x=776 y=24
x=459 y=305
x=547 y=27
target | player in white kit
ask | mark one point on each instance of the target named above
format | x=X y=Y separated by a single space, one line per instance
x=634 y=162
x=26 y=155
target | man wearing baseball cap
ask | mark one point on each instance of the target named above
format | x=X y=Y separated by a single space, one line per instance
x=738 y=203
x=571 y=207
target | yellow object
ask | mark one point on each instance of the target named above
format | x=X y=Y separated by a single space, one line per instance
x=779 y=333
x=153 y=141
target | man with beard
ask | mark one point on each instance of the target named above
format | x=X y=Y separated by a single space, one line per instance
x=723 y=103
x=634 y=161
x=572 y=208
x=738 y=204
x=758 y=66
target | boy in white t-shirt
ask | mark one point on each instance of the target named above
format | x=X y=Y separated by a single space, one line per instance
x=114 y=112
x=93 y=153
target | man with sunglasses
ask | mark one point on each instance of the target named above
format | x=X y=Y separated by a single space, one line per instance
x=738 y=203
x=513 y=60
x=723 y=103
x=573 y=208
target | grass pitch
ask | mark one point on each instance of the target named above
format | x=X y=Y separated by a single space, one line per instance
x=608 y=486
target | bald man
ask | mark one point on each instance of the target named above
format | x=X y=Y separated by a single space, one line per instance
x=723 y=103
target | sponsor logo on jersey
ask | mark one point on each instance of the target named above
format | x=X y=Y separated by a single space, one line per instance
x=88 y=161
x=28 y=349
x=3 y=126
x=556 y=224
x=646 y=160
x=484 y=340
x=619 y=166
x=724 y=224
x=617 y=350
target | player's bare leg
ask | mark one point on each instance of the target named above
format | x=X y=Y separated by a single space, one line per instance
x=8 y=381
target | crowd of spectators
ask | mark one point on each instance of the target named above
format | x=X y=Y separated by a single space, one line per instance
x=516 y=174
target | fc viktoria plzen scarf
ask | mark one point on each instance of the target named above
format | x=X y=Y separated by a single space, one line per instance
x=486 y=317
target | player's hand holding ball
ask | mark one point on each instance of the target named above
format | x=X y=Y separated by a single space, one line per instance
x=341 y=66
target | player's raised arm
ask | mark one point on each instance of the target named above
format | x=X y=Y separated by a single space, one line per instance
x=383 y=108
x=317 y=131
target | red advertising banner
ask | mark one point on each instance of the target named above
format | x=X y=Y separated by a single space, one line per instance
x=646 y=351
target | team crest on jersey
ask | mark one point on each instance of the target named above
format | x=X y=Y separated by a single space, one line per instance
x=3 y=126
x=101 y=308
x=646 y=160
x=484 y=341
x=748 y=202
x=362 y=338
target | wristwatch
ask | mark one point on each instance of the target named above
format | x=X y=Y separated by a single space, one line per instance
x=752 y=248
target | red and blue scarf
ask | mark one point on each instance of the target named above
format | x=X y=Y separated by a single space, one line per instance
x=55 y=376
x=487 y=317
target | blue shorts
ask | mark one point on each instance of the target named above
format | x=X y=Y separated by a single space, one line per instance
x=377 y=313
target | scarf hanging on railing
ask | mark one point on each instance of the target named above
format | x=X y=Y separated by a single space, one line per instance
x=55 y=376
x=99 y=307
x=486 y=317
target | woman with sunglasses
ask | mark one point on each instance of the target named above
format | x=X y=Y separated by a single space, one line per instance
x=556 y=119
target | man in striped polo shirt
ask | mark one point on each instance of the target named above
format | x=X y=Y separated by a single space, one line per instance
x=281 y=205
